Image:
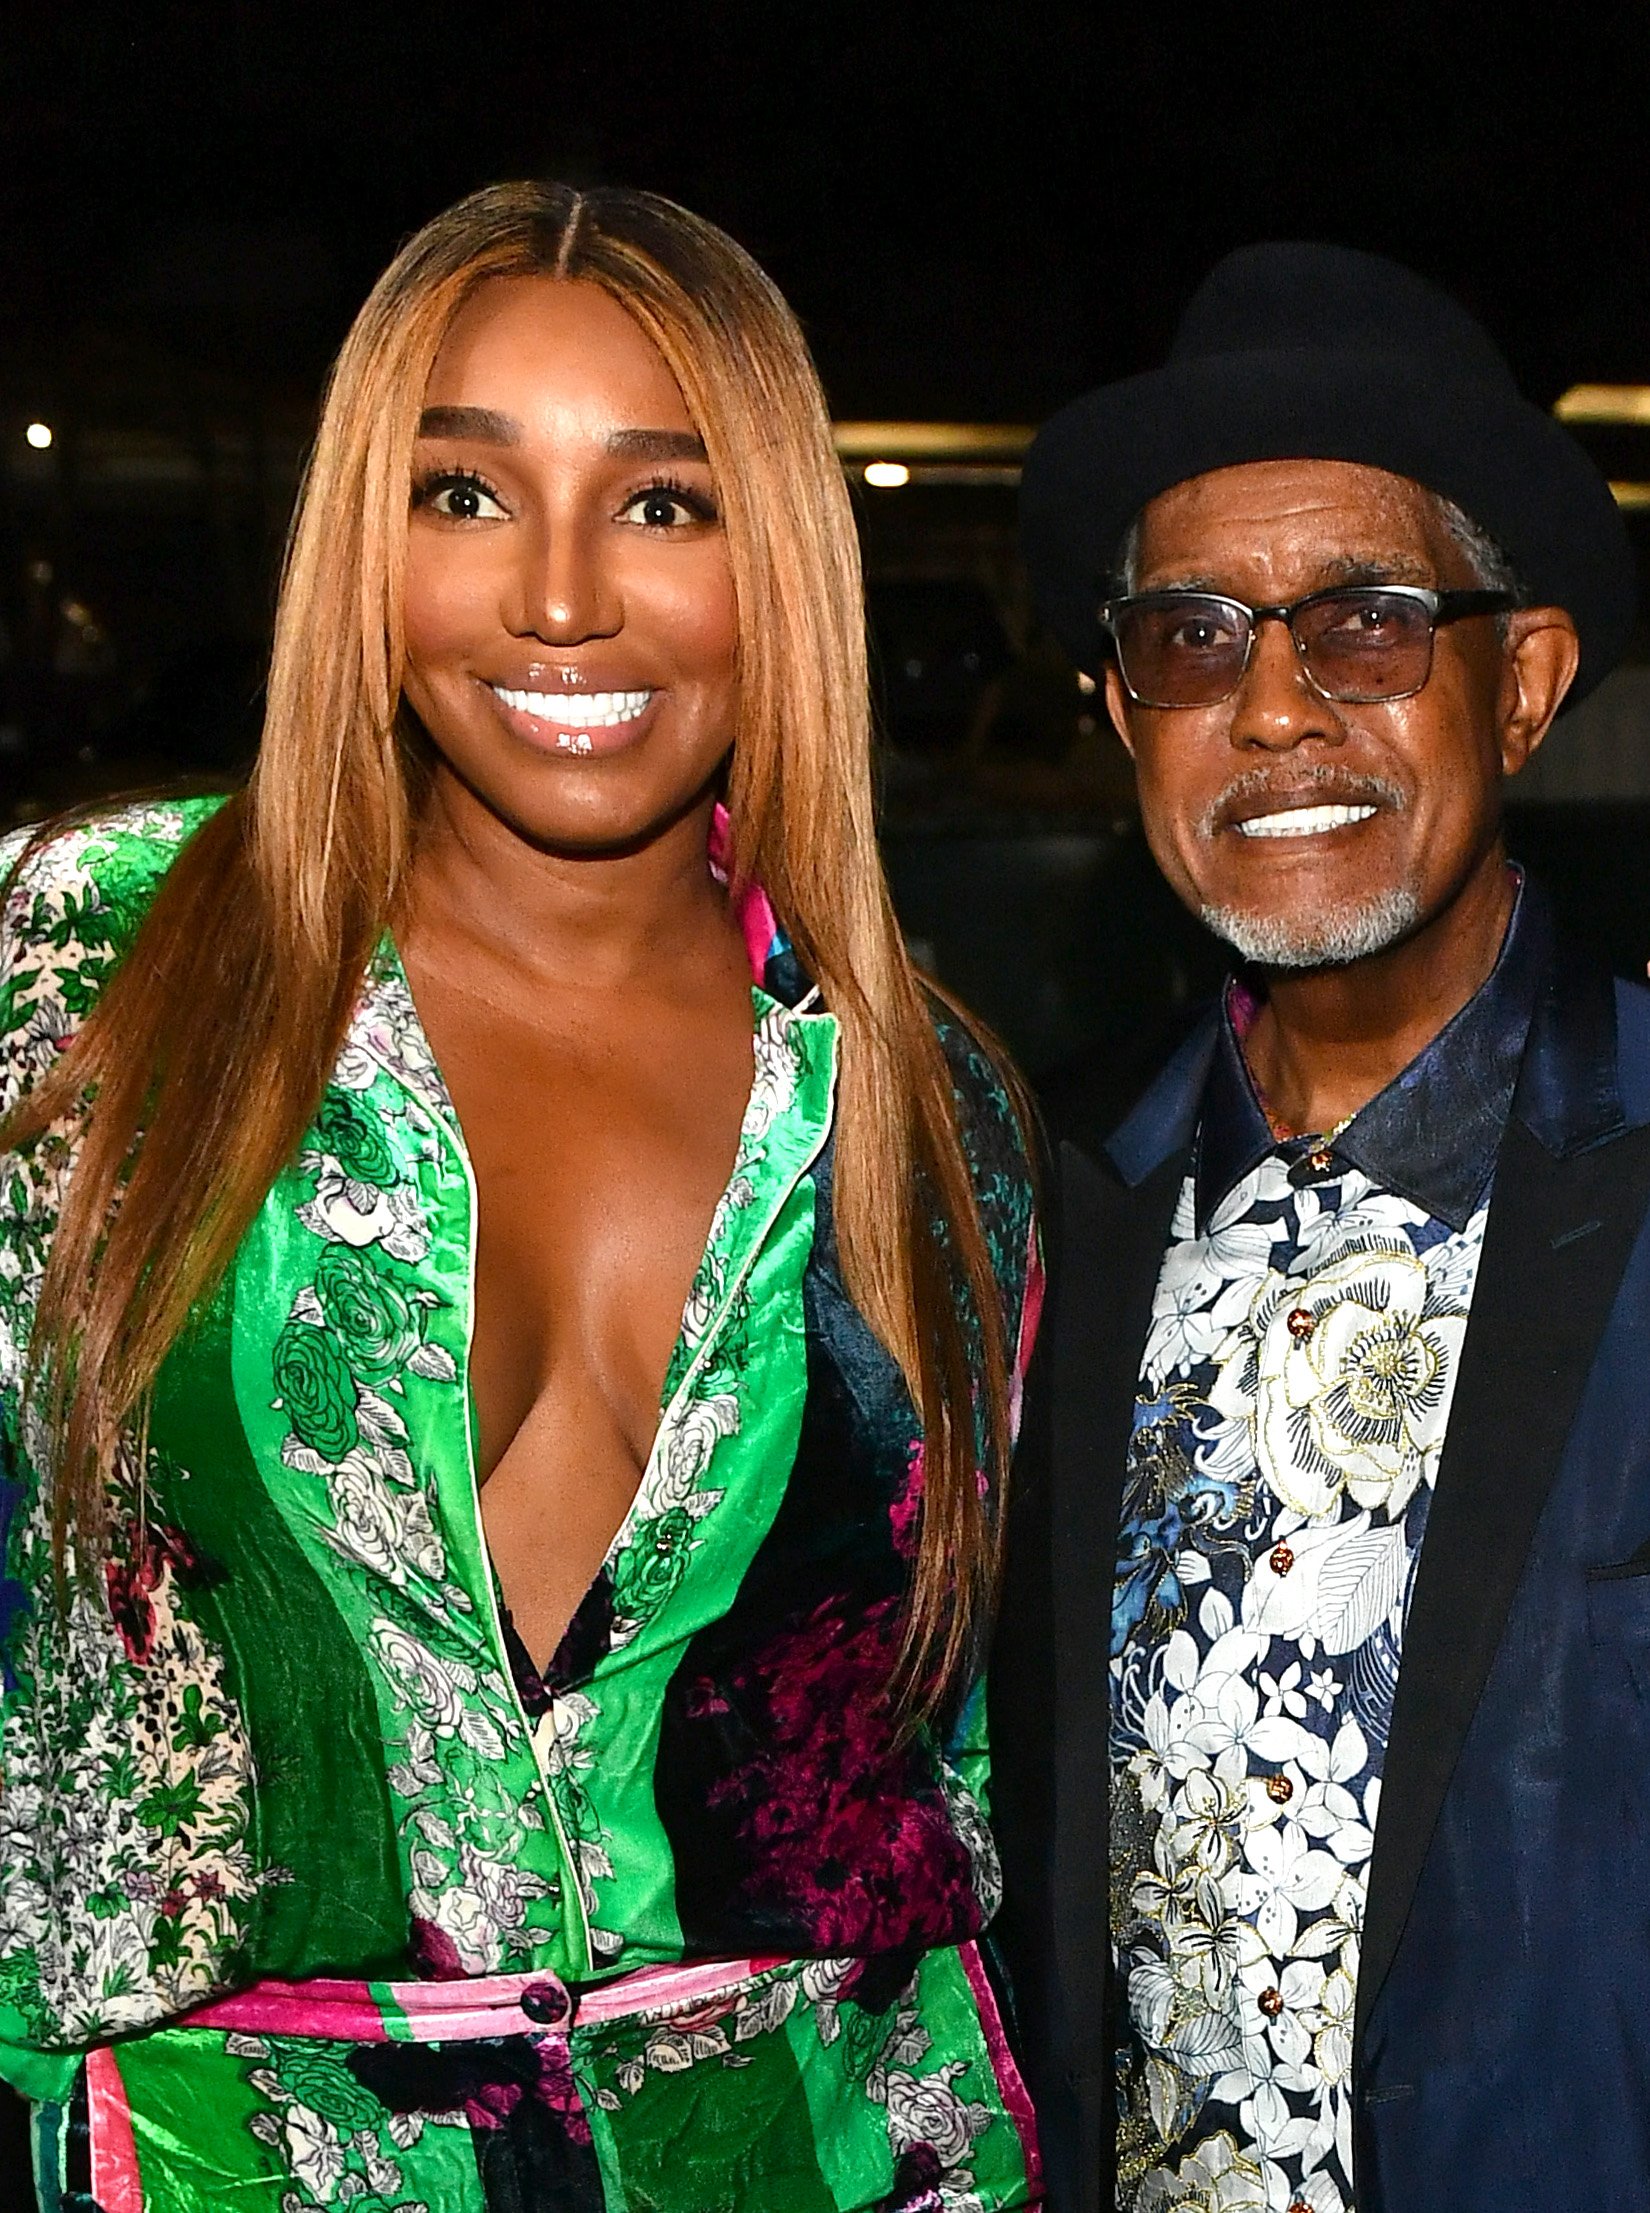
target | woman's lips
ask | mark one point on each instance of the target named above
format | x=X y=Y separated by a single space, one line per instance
x=582 y=723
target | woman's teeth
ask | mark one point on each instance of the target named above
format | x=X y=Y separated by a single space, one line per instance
x=1303 y=822
x=576 y=710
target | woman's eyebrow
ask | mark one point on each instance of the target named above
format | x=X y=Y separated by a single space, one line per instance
x=656 y=445
x=470 y=422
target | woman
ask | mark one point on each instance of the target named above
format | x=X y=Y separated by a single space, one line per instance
x=502 y=1323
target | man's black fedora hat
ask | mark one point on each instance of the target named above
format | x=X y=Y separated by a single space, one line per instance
x=1297 y=352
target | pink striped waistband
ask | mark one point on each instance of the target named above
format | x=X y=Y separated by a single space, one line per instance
x=537 y=2003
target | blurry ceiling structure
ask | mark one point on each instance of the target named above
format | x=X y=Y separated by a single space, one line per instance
x=977 y=211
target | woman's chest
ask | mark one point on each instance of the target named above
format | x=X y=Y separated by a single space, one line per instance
x=598 y=1165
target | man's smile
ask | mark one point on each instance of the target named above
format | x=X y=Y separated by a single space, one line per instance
x=1301 y=801
x=1302 y=822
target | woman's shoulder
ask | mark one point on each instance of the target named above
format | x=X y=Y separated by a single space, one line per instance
x=75 y=890
x=74 y=893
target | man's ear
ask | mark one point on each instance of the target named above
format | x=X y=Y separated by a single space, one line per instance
x=1543 y=653
x=1117 y=705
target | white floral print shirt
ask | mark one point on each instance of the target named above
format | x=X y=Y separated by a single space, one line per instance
x=1291 y=1412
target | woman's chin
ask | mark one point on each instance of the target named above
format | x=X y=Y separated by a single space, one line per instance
x=588 y=815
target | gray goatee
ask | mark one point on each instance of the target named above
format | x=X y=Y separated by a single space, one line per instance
x=1329 y=939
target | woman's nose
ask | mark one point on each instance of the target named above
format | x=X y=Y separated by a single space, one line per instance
x=566 y=591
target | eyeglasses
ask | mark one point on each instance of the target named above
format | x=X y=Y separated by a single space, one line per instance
x=1357 y=645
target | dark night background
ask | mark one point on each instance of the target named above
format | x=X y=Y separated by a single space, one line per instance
x=977 y=209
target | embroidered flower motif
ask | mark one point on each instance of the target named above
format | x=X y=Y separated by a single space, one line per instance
x=353 y=1136
x=317 y=1390
x=314 y=2152
x=360 y=1214
x=381 y=1325
x=383 y=1529
x=1216 y=2178
x=928 y=2110
x=1360 y=1401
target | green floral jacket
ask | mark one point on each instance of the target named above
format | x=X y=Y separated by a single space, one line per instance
x=293 y=1737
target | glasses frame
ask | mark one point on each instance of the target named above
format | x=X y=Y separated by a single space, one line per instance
x=1440 y=607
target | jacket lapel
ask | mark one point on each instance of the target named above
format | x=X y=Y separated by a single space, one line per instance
x=1115 y=1221
x=1571 y=1190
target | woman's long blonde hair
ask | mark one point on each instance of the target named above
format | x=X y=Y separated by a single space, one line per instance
x=196 y=1075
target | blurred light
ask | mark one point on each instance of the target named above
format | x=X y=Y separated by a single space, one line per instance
x=39 y=436
x=1631 y=495
x=932 y=441
x=1084 y=683
x=1605 y=403
x=887 y=476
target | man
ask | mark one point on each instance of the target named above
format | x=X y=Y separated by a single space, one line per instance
x=1323 y=1696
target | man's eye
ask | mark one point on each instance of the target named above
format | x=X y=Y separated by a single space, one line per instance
x=1197 y=634
x=459 y=498
x=668 y=507
x=1368 y=626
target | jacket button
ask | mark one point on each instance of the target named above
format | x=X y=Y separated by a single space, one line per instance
x=1300 y=1323
x=1280 y=1559
x=545 y=2002
x=1271 y=2003
x=1279 y=1789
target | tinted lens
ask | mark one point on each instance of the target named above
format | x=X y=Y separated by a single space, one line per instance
x=1365 y=645
x=1182 y=649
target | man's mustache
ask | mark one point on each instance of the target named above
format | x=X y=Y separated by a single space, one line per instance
x=1260 y=791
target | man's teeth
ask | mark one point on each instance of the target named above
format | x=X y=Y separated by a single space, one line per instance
x=1303 y=822
x=576 y=710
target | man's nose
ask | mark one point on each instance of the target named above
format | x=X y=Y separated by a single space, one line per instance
x=1277 y=706
x=565 y=589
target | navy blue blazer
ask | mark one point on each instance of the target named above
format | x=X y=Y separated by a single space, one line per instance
x=1502 y=2050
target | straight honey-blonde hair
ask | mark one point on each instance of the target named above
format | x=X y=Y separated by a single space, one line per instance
x=195 y=1076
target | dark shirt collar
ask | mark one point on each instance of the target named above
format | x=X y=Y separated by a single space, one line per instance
x=1433 y=1133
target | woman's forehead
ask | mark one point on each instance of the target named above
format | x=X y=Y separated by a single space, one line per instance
x=536 y=349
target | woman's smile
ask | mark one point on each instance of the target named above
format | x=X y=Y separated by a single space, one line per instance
x=581 y=723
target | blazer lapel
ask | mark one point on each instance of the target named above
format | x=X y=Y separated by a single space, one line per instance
x=1111 y=1250
x=1559 y=1235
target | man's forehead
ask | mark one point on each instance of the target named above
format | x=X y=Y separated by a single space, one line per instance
x=1343 y=517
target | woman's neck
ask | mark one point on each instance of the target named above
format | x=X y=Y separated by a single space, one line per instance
x=593 y=919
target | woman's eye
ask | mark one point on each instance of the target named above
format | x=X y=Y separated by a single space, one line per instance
x=668 y=507
x=459 y=499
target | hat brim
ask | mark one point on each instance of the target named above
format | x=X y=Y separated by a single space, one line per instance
x=1515 y=470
